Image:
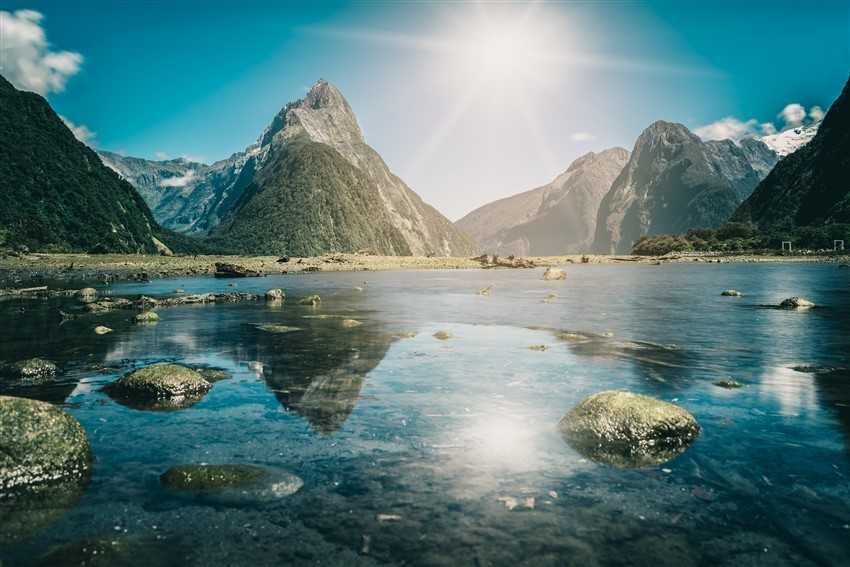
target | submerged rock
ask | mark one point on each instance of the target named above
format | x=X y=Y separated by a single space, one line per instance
x=212 y=477
x=272 y=328
x=161 y=387
x=552 y=274
x=310 y=300
x=348 y=323
x=627 y=430
x=731 y=293
x=31 y=369
x=406 y=334
x=796 y=303
x=146 y=318
x=42 y=445
x=728 y=384
x=86 y=295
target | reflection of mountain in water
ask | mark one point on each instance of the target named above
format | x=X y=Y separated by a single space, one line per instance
x=318 y=370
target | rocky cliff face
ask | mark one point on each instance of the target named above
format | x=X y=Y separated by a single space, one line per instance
x=810 y=186
x=193 y=198
x=57 y=195
x=557 y=218
x=673 y=182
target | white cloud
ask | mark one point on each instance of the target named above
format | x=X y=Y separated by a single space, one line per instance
x=188 y=158
x=81 y=132
x=793 y=115
x=582 y=136
x=768 y=128
x=161 y=155
x=26 y=59
x=727 y=128
x=181 y=181
x=816 y=113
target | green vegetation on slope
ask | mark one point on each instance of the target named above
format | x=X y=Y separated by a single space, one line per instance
x=308 y=200
x=57 y=195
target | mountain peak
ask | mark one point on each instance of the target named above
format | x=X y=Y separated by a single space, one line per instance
x=324 y=95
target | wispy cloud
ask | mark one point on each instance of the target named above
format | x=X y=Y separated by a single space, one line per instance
x=26 y=57
x=181 y=181
x=81 y=132
x=189 y=158
x=161 y=155
x=582 y=136
x=793 y=115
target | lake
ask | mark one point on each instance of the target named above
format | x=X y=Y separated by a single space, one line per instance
x=419 y=451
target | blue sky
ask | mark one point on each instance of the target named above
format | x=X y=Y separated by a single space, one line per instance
x=467 y=102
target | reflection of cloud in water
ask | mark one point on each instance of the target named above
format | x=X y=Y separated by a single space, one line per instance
x=794 y=391
x=500 y=441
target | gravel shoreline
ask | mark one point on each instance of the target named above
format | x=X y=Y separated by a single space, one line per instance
x=19 y=270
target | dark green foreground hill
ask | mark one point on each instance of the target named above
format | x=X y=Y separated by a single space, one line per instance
x=810 y=187
x=56 y=194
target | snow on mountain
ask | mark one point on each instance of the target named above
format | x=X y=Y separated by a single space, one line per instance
x=789 y=141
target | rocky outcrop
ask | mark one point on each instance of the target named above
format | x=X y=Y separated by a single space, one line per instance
x=161 y=387
x=557 y=218
x=673 y=182
x=628 y=430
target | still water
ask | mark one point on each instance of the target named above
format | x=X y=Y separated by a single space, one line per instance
x=419 y=451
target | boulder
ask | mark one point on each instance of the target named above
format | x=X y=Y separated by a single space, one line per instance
x=310 y=300
x=275 y=295
x=226 y=270
x=43 y=446
x=731 y=293
x=101 y=330
x=161 y=387
x=552 y=274
x=406 y=334
x=31 y=369
x=796 y=303
x=86 y=295
x=443 y=335
x=627 y=430
x=145 y=318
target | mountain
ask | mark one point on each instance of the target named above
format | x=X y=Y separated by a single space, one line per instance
x=791 y=140
x=557 y=218
x=57 y=195
x=194 y=199
x=673 y=182
x=809 y=187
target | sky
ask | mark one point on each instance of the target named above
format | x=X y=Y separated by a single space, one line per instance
x=468 y=102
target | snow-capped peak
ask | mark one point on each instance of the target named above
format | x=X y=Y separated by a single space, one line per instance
x=791 y=140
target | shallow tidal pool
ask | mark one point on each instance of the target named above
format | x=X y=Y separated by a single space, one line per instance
x=421 y=451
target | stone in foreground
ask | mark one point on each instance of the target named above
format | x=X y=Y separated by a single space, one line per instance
x=627 y=430
x=161 y=387
x=552 y=274
x=796 y=303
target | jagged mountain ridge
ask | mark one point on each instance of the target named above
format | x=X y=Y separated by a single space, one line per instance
x=673 y=182
x=57 y=195
x=809 y=187
x=557 y=218
x=323 y=116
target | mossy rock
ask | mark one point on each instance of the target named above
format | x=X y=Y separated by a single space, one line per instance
x=571 y=336
x=146 y=318
x=553 y=274
x=628 y=430
x=348 y=323
x=443 y=335
x=101 y=330
x=275 y=295
x=212 y=374
x=161 y=387
x=42 y=445
x=729 y=384
x=406 y=334
x=212 y=477
x=31 y=369
x=86 y=295
x=310 y=300
x=796 y=303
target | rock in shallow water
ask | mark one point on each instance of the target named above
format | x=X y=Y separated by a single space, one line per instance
x=231 y=484
x=161 y=387
x=30 y=369
x=731 y=293
x=627 y=430
x=796 y=303
x=552 y=274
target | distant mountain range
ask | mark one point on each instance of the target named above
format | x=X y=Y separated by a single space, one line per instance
x=375 y=205
x=557 y=218
x=811 y=186
x=57 y=195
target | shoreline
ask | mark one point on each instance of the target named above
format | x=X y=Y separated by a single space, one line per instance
x=20 y=269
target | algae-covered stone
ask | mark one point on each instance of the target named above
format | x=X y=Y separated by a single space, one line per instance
x=310 y=300
x=42 y=445
x=443 y=335
x=731 y=293
x=796 y=303
x=146 y=318
x=31 y=369
x=212 y=477
x=552 y=274
x=275 y=295
x=728 y=384
x=628 y=430
x=86 y=295
x=348 y=323
x=406 y=334
x=161 y=387
x=212 y=374
x=101 y=330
